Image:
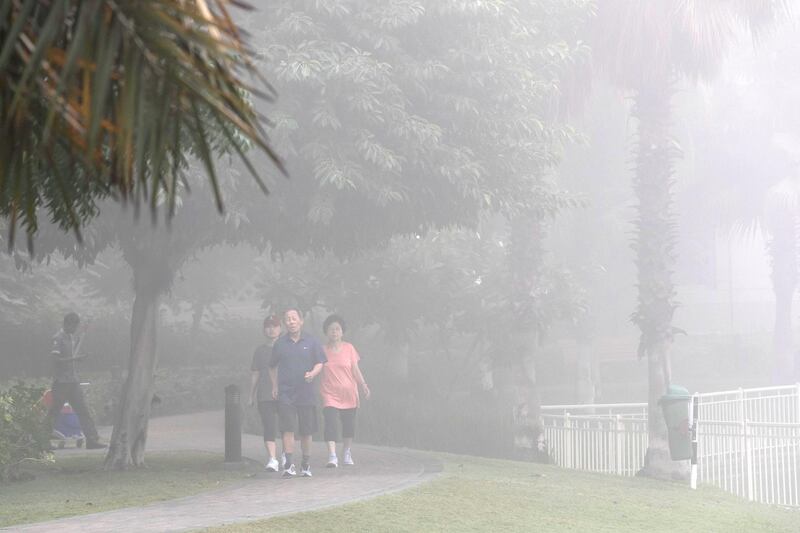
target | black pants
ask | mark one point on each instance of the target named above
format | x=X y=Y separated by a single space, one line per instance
x=332 y=416
x=300 y=419
x=269 y=419
x=72 y=393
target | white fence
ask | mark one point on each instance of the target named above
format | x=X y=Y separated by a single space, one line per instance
x=748 y=440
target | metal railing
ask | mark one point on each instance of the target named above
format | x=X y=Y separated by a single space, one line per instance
x=611 y=444
x=748 y=440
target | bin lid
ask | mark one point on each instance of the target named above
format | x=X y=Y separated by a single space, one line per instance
x=676 y=392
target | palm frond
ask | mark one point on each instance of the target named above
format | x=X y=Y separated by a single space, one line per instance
x=103 y=97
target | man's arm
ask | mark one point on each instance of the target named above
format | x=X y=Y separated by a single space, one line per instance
x=311 y=374
x=273 y=376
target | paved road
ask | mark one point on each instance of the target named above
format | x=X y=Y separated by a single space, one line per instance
x=378 y=471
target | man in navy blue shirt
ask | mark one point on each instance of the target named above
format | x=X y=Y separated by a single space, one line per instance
x=297 y=358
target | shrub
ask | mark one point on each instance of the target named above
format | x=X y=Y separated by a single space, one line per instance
x=24 y=433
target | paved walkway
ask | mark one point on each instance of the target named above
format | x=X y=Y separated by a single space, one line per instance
x=378 y=471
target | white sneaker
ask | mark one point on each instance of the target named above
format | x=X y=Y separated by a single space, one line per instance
x=306 y=471
x=333 y=461
x=289 y=472
x=348 y=459
x=272 y=465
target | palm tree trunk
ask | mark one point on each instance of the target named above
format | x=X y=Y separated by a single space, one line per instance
x=149 y=258
x=129 y=437
x=654 y=245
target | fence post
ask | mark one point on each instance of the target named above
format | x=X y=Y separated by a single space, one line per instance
x=568 y=441
x=742 y=414
x=618 y=445
x=748 y=453
x=797 y=403
x=694 y=430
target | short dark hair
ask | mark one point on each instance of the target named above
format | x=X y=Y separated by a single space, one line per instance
x=71 y=319
x=295 y=309
x=333 y=319
x=272 y=320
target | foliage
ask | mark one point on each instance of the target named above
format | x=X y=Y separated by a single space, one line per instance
x=24 y=433
x=102 y=98
x=396 y=127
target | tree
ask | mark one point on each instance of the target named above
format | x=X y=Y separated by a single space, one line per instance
x=383 y=117
x=392 y=128
x=103 y=99
x=647 y=47
x=403 y=127
x=749 y=163
x=155 y=254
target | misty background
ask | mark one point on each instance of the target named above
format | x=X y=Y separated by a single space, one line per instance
x=415 y=184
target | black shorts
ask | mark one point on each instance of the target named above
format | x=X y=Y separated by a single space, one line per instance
x=269 y=419
x=300 y=419
x=332 y=416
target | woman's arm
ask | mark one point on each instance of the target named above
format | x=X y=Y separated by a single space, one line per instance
x=360 y=380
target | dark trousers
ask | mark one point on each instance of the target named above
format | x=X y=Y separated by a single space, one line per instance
x=269 y=419
x=332 y=417
x=72 y=393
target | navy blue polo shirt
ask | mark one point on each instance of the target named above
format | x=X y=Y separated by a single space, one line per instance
x=293 y=360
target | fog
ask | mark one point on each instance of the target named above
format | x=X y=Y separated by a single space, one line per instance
x=511 y=207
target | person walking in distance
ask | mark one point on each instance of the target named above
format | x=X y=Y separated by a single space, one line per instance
x=297 y=359
x=261 y=388
x=66 y=385
x=341 y=378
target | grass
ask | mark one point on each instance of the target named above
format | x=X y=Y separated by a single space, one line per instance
x=78 y=485
x=493 y=495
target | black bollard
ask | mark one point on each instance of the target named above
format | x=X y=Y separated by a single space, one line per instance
x=233 y=424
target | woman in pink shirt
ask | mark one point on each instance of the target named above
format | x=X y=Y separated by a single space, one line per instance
x=341 y=378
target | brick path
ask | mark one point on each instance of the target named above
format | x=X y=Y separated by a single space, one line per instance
x=378 y=471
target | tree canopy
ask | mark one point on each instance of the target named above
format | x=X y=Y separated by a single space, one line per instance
x=397 y=116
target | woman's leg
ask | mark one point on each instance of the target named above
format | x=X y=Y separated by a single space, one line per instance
x=331 y=414
x=348 y=429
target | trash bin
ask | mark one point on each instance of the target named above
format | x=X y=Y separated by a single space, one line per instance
x=675 y=405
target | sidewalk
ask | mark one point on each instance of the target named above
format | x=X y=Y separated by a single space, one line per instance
x=378 y=471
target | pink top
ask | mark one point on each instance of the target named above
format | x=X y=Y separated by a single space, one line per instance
x=338 y=386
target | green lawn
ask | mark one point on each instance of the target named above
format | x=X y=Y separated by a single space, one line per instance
x=493 y=495
x=78 y=485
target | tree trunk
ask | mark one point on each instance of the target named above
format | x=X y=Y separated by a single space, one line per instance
x=654 y=245
x=129 y=437
x=526 y=257
x=148 y=255
x=529 y=439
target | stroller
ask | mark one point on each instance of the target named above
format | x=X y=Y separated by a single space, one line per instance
x=67 y=427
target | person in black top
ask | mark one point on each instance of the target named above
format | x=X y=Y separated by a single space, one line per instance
x=261 y=388
x=66 y=385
